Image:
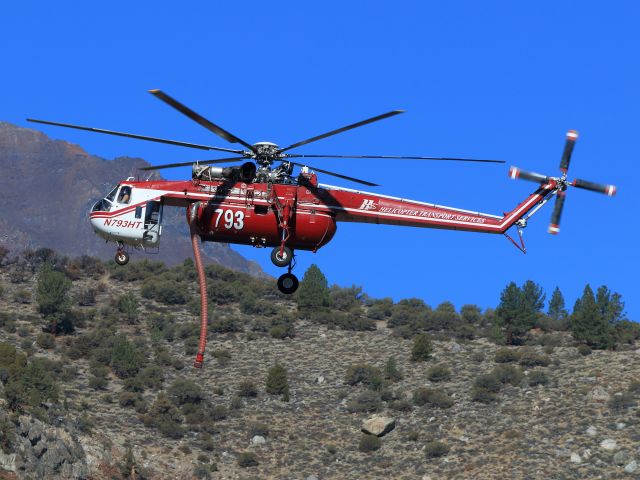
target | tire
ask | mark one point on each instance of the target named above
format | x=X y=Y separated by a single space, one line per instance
x=277 y=260
x=122 y=257
x=288 y=283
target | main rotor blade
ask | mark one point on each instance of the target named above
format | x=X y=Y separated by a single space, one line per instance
x=212 y=127
x=132 y=135
x=343 y=129
x=185 y=164
x=394 y=157
x=352 y=179
x=572 y=136
x=609 y=190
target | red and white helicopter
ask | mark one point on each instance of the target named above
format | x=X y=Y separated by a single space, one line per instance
x=255 y=204
x=265 y=206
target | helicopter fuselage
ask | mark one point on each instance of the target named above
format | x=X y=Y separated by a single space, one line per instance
x=304 y=214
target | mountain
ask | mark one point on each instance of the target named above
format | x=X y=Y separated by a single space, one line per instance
x=48 y=187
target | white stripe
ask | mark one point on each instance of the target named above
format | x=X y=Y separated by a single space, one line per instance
x=407 y=200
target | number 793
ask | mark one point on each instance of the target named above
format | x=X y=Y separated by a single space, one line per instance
x=231 y=219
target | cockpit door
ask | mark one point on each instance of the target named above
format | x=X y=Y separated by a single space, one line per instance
x=152 y=223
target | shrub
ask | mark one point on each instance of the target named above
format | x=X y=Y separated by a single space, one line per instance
x=277 y=383
x=366 y=401
x=400 y=405
x=258 y=428
x=165 y=417
x=45 y=341
x=22 y=296
x=537 y=377
x=529 y=358
x=508 y=374
x=489 y=382
x=247 y=459
x=365 y=374
x=634 y=387
x=506 y=355
x=164 y=291
x=422 y=348
x=218 y=412
x=621 y=401
x=369 y=443
x=247 y=389
x=483 y=395
x=584 y=350
x=226 y=325
x=98 y=383
x=52 y=291
x=126 y=360
x=183 y=391
x=86 y=297
x=128 y=305
x=391 y=371
x=435 y=449
x=432 y=397
x=438 y=373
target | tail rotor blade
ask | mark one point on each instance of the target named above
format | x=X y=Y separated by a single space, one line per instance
x=554 y=226
x=515 y=172
x=572 y=136
x=609 y=190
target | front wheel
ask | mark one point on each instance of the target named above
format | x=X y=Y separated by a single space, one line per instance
x=288 y=283
x=281 y=260
x=122 y=257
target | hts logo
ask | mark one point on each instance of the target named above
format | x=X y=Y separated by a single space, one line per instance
x=367 y=205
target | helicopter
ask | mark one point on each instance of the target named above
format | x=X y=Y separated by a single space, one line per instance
x=265 y=205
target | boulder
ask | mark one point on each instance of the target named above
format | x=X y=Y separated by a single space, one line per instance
x=592 y=431
x=575 y=458
x=598 y=394
x=378 y=425
x=608 y=444
x=631 y=467
x=258 y=440
x=621 y=458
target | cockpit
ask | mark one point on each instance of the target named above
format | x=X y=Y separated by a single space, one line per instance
x=123 y=194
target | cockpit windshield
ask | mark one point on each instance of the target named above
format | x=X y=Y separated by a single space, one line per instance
x=104 y=205
x=112 y=194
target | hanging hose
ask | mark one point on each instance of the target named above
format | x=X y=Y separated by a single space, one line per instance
x=203 y=297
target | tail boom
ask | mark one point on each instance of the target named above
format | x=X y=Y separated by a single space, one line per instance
x=365 y=207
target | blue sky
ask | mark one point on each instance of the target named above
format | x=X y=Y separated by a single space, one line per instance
x=488 y=79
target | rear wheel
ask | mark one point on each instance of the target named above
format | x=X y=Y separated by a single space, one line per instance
x=122 y=257
x=288 y=283
x=281 y=260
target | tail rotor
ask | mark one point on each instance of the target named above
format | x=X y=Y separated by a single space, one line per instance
x=560 y=184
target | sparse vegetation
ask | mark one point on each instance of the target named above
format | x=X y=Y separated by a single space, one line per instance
x=127 y=357
x=369 y=443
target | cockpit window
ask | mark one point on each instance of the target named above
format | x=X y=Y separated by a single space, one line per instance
x=125 y=195
x=101 y=206
x=112 y=194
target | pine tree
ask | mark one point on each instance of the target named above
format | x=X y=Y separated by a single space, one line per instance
x=532 y=303
x=588 y=324
x=610 y=305
x=509 y=311
x=557 y=310
x=313 y=293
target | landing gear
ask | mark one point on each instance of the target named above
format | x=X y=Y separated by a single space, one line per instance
x=281 y=259
x=288 y=283
x=122 y=257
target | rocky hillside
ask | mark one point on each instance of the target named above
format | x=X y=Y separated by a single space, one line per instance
x=119 y=395
x=48 y=187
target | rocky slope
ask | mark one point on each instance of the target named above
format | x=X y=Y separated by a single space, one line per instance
x=570 y=427
x=48 y=187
